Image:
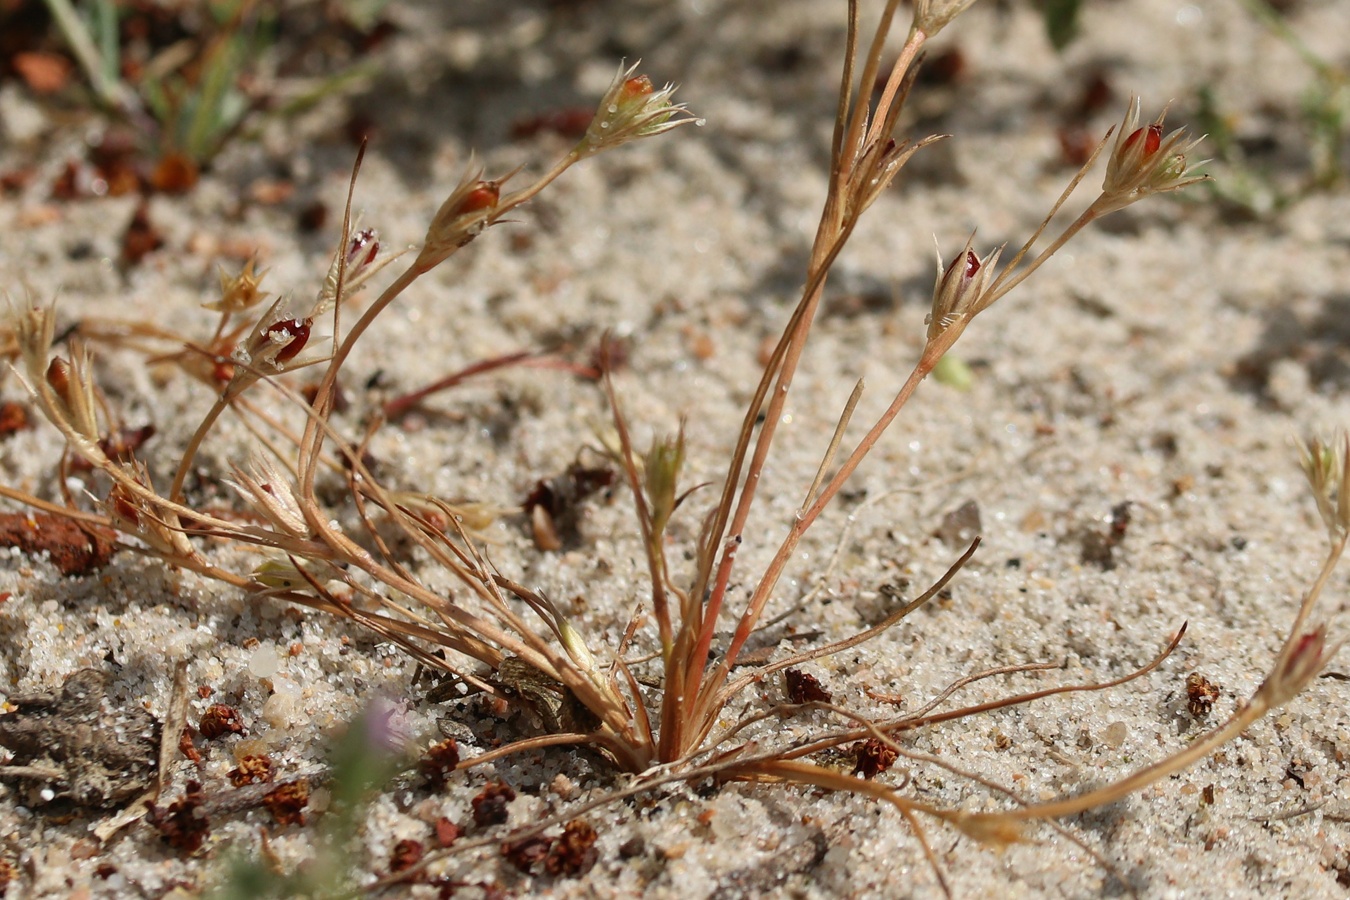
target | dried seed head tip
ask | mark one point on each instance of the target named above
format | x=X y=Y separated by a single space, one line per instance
x=1327 y=468
x=239 y=292
x=1145 y=161
x=959 y=289
x=1300 y=665
x=462 y=217
x=632 y=108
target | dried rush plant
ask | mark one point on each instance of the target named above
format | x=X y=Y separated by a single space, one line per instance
x=499 y=636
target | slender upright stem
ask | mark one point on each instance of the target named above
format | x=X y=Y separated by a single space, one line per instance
x=190 y=454
x=838 y=218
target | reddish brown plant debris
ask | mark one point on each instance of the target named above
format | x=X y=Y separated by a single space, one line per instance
x=804 y=688
x=141 y=237
x=44 y=73
x=113 y=157
x=7 y=874
x=205 y=691
x=74 y=549
x=174 y=174
x=1200 y=694
x=524 y=854
x=438 y=762
x=611 y=355
x=14 y=180
x=123 y=443
x=406 y=854
x=872 y=757
x=255 y=768
x=287 y=803
x=489 y=807
x=187 y=746
x=574 y=853
x=13 y=418
x=182 y=825
x=447 y=832
x=220 y=720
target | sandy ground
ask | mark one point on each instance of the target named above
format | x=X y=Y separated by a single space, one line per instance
x=1165 y=359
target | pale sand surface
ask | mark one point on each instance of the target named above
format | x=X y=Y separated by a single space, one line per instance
x=1165 y=359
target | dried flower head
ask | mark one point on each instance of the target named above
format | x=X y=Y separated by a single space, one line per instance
x=881 y=164
x=931 y=16
x=490 y=806
x=239 y=292
x=631 y=109
x=183 y=824
x=1328 y=470
x=131 y=507
x=872 y=757
x=1200 y=695
x=661 y=472
x=1144 y=161
x=574 y=853
x=270 y=493
x=253 y=768
x=287 y=802
x=219 y=720
x=959 y=287
x=273 y=344
x=356 y=263
x=1304 y=658
x=461 y=218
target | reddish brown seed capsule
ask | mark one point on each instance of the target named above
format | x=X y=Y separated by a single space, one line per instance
x=297 y=330
x=364 y=247
x=484 y=196
x=634 y=88
x=1152 y=136
x=58 y=376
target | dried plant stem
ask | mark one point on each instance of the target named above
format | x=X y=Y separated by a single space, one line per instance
x=853 y=169
x=195 y=444
x=835 y=440
x=400 y=405
x=312 y=441
x=55 y=509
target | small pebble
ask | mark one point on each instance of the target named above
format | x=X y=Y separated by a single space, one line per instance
x=264 y=662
